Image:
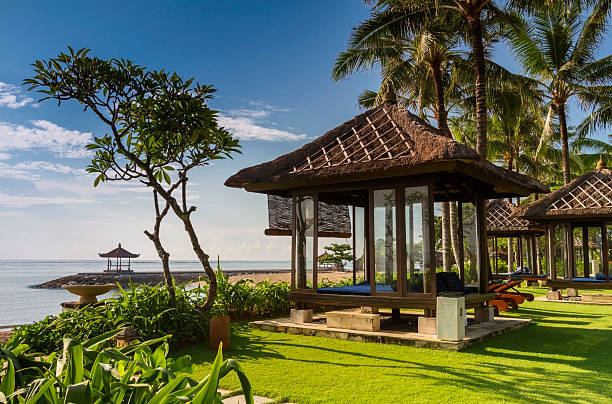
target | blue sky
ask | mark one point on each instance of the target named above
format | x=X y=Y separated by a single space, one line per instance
x=270 y=62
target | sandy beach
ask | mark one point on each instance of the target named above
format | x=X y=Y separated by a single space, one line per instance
x=333 y=276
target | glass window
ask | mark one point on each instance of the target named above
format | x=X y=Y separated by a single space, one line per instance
x=417 y=237
x=385 y=241
x=595 y=252
x=560 y=252
x=304 y=242
x=471 y=277
x=578 y=253
x=360 y=244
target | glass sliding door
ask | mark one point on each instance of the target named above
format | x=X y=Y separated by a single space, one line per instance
x=304 y=241
x=359 y=240
x=385 y=241
x=417 y=237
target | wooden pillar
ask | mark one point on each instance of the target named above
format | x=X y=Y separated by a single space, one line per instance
x=354 y=247
x=496 y=252
x=585 y=251
x=461 y=263
x=569 y=250
x=529 y=242
x=395 y=315
x=550 y=250
x=604 y=253
x=481 y=245
x=315 y=243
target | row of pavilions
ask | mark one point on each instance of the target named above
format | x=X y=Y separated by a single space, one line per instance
x=381 y=178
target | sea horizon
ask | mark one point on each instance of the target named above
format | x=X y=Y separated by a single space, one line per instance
x=22 y=304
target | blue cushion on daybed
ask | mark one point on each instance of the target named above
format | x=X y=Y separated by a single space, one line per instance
x=362 y=289
x=588 y=280
x=600 y=277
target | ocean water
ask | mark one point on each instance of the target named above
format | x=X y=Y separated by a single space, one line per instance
x=21 y=304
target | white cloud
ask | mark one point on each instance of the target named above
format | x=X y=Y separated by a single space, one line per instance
x=248 y=123
x=44 y=135
x=27 y=170
x=12 y=97
x=16 y=201
x=247 y=129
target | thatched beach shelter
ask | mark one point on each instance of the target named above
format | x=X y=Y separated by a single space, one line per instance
x=578 y=214
x=392 y=169
x=118 y=254
x=501 y=224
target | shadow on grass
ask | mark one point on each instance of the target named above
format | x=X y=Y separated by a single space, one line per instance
x=560 y=353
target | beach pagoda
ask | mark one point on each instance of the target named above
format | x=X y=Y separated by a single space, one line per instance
x=500 y=224
x=115 y=259
x=392 y=170
x=578 y=220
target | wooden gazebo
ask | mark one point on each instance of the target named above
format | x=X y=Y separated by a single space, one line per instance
x=578 y=218
x=500 y=224
x=115 y=258
x=392 y=169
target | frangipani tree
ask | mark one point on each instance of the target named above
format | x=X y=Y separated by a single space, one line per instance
x=160 y=128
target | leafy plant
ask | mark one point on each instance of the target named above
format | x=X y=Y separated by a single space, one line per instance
x=87 y=373
x=147 y=309
x=336 y=254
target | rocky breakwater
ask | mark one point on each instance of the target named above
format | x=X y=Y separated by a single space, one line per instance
x=142 y=278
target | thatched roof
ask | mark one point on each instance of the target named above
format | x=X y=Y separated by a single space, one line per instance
x=384 y=142
x=588 y=196
x=118 y=253
x=499 y=222
x=334 y=220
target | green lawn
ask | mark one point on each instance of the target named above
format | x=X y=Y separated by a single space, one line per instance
x=564 y=355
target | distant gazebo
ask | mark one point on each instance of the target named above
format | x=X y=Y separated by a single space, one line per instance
x=500 y=224
x=118 y=254
x=578 y=219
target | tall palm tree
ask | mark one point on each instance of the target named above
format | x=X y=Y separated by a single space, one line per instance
x=557 y=46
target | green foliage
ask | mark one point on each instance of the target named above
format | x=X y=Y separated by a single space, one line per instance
x=336 y=254
x=87 y=373
x=158 y=121
x=247 y=299
x=147 y=309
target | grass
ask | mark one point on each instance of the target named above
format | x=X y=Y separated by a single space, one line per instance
x=564 y=355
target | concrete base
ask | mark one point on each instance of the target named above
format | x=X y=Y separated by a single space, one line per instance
x=353 y=320
x=484 y=314
x=572 y=292
x=473 y=334
x=301 y=316
x=553 y=295
x=597 y=298
x=427 y=325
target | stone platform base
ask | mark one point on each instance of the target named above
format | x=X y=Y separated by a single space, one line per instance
x=602 y=299
x=474 y=333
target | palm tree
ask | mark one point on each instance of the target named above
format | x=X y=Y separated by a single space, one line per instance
x=557 y=46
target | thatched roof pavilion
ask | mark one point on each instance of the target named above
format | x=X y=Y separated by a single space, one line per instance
x=392 y=169
x=118 y=254
x=501 y=224
x=577 y=214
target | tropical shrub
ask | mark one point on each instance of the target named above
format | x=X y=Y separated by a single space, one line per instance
x=147 y=309
x=87 y=373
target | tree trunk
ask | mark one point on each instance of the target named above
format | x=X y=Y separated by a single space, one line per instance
x=564 y=143
x=481 y=84
x=161 y=252
x=441 y=116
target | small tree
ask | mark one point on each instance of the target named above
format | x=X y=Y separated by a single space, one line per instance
x=336 y=254
x=160 y=128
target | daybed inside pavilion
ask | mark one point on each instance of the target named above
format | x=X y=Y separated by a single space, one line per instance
x=500 y=224
x=392 y=170
x=578 y=214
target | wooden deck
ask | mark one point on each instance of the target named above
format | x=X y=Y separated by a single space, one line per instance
x=474 y=333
